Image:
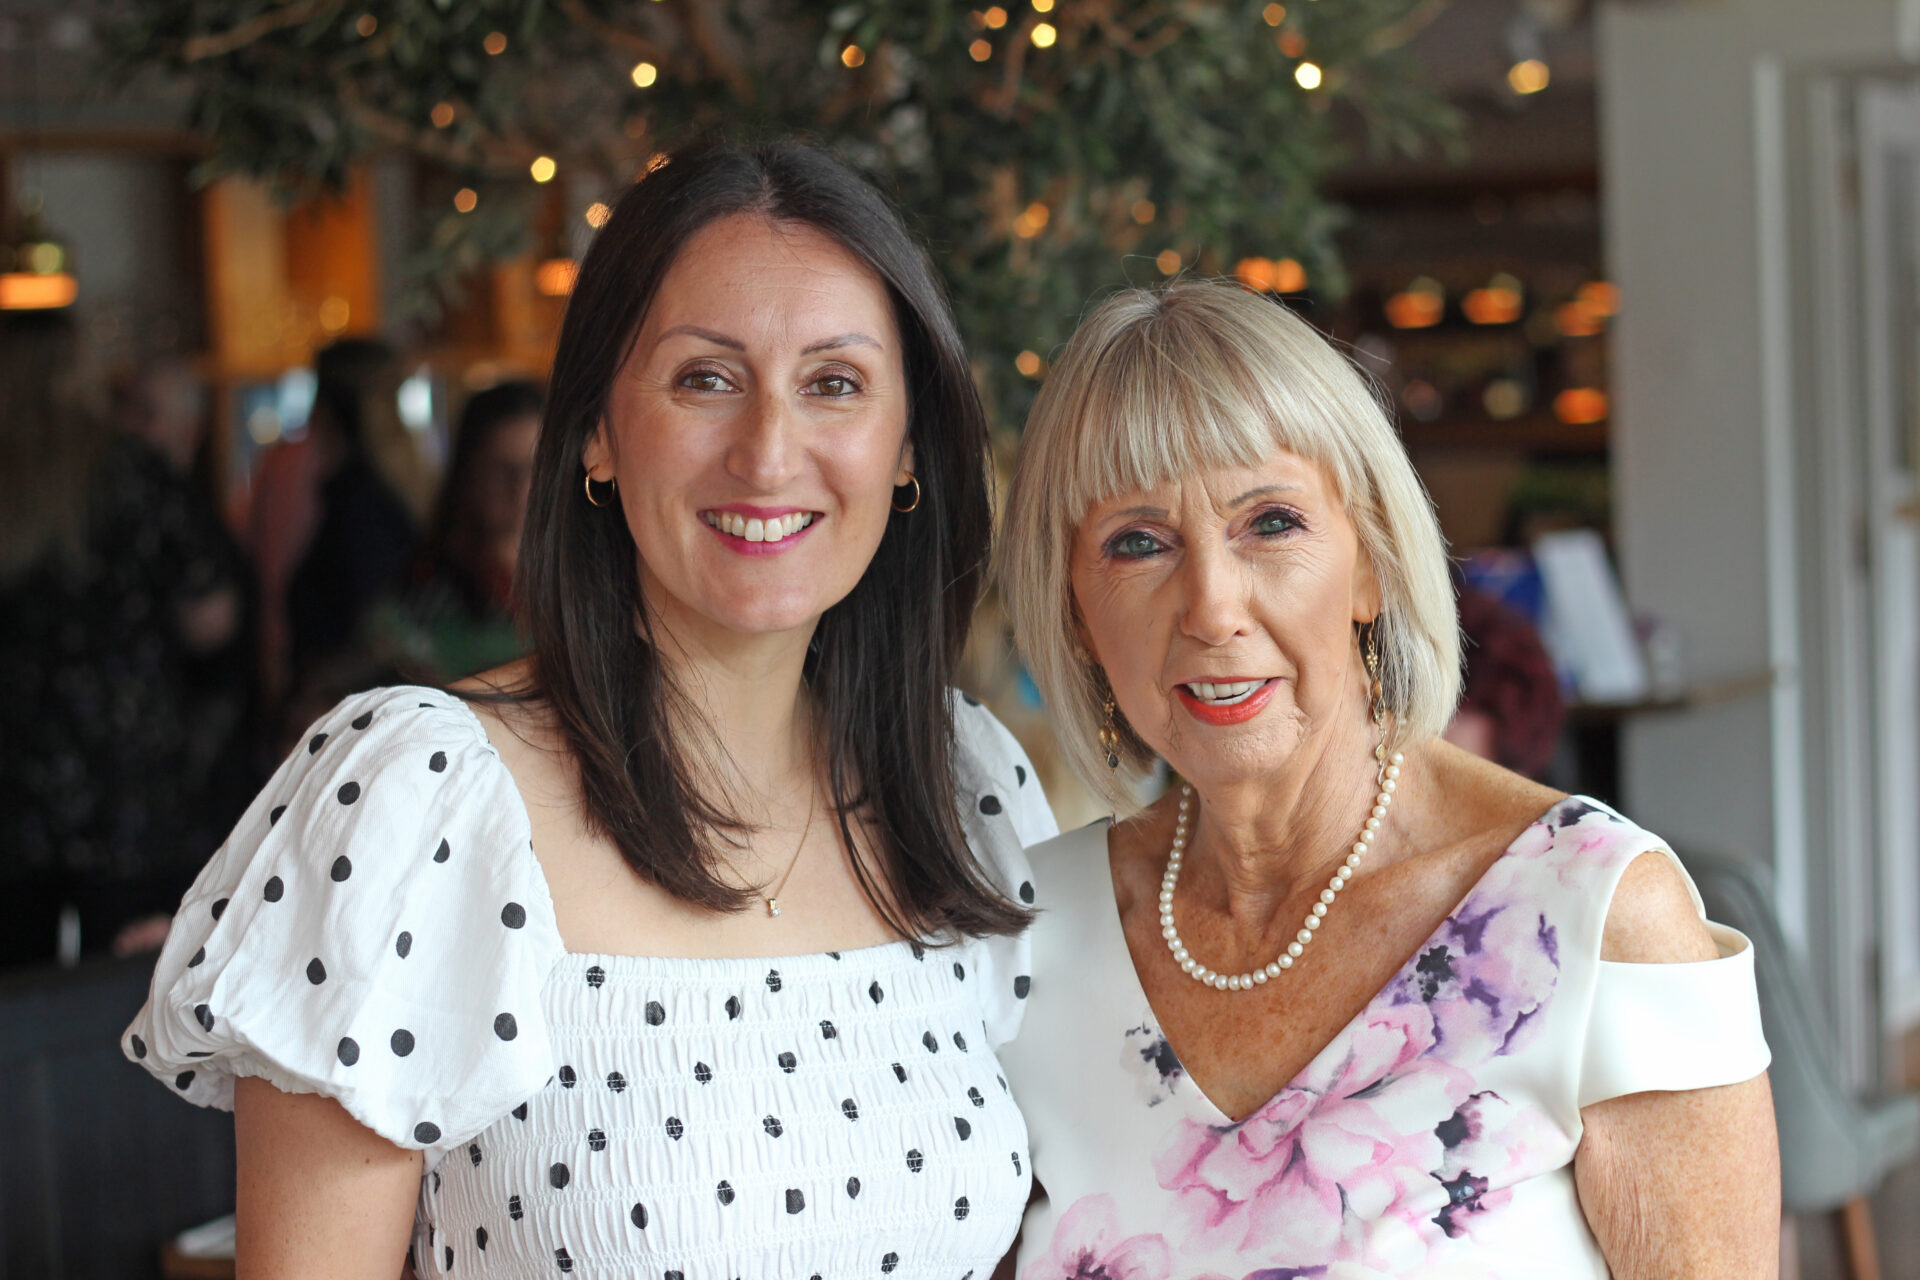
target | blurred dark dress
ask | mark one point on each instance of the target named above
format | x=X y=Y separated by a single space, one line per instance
x=100 y=805
x=364 y=544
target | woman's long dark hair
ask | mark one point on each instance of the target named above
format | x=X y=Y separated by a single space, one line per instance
x=882 y=658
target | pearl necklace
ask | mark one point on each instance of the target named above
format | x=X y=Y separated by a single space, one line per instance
x=1388 y=780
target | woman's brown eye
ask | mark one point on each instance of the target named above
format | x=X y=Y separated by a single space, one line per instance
x=835 y=385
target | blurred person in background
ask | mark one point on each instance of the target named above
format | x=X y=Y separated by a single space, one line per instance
x=1510 y=708
x=455 y=616
x=110 y=587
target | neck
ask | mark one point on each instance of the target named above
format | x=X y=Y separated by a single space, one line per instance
x=1256 y=839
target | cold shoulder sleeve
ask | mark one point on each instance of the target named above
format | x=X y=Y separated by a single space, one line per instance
x=1690 y=1025
x=1003 y=810
x=376 y=929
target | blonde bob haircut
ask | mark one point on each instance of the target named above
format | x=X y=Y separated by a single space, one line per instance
x=1162 y=383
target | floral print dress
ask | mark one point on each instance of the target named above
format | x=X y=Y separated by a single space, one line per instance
x=1433 y=1137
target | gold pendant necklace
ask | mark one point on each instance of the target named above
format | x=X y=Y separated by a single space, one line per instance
x=773 y=899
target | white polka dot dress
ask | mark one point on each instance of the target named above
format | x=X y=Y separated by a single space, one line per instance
x=377 y=929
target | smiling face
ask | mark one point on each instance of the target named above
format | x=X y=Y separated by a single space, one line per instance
x=1222 y=607
x=757 y=429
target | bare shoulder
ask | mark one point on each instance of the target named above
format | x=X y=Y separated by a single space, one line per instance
x=1469 y=801
x=521 y=731
x=1652 y=919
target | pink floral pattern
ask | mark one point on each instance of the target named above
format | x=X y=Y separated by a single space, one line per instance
x=1385 y=1153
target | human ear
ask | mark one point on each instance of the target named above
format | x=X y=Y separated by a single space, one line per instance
x=905 y=471
x=596 y=454
x=1367 y=596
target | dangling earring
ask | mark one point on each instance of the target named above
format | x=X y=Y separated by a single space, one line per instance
x=1110 y=735
x=611 y=484
x=915 y=482
x=1376 y=692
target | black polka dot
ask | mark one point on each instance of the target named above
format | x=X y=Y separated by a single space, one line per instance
x=349 y=792
x=675 y=1128
x=274 y=890
x=639 y=1215
x=828 y=1031
x=596 y=1139
x=439 y=762
x=1022 y=985
x=204 y=1016
x=513 y=915
x=316 y=972
x=449 y=1258
x=702 y=1072
x=876 y=992
x=444 y=852
x=276 y=813
x=362 y=720
x=772 y=1125
x=888 y=1263
x=562 y=1259
x=199 y=957
x=596 y=977
x=990 y=805
x=348 y=1051
x=567 y=1077
x=520 y=1112
x=834 y=954
x=342 y=868
x=1020 y=773
x=773 y=979
x=853 y=1188
x=403 y=944
x=915 y=1160
x=656 y=1013
x=959 y=971
x=849 y=1108
x=558 y=1176
x=473 y=1153
x=973 y=1096
x=513 y=1208
x=401 y=1043
x=616 y=1082
x=1026 y=892
x=959 y=1042
x=505 y=1027
x=796 y=1201
x=314 y=743
x=933 y=1045
x=182 y=1080
x=919 y=952
x=436 y=1182
x=480 y=1238
x=969 y=699
x=724 y=1191
x=788 y=1062
x=139 y=1046
x=426 y=1133
x=674 y=1275
x=219 y=908
x=733 y=1007
x=961 y=1127
x=1016 y=1161
x=961 y=1209
x=899 y=1073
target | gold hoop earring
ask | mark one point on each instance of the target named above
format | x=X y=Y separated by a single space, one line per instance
x=612 y=484
x=915 y=482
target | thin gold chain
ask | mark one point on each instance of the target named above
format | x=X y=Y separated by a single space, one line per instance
x=813 y=800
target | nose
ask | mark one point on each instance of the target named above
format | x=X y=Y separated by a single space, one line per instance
x=1214 y=608
x=765 y=451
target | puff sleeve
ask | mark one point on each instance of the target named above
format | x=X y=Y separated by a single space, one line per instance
x=1003 y=810
x=376 y=929
x=1689 y=1025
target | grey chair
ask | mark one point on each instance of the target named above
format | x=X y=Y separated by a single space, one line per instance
x=1834 y=1148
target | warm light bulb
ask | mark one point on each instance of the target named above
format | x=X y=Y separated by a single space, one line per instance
x=644 y=74
x=1143 y=211
x=1530 y=76
x=542 y=168
x=1275 y=14
x=852 y=56
x=1168 y=262
x=1028 y=363
x=465 y=199
x=367 y=25
x=1043 y=6
x=1307 y=75
x=597 y=214
x=1044 y=35
x=996 y=17
x=441 y=115
x=495 y=43
x=980 y=50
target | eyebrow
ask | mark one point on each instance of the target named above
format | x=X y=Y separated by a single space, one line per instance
x=734 y=344
x=1264 y=491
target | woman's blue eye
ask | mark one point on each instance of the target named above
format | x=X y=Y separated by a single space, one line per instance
x=1135 y=543
x=1271 y=522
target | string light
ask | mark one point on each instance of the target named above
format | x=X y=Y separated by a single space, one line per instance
x=1168 y=262
x=852 y=56
x=1143 y=211
x=980 y=50
x=367 y=25
x=495 y=43
x=1032 y=220
x=644 y=74
x=1497 y=303
x=597 y=215
x=543 y=168
x=1028 y=363
x=465 y=199
x=1044 y=35
x=1529 y=76
x=1419 y=306
x=1043 y=6
x=1307 y=75
x=1274 y=14
x=441 y=115
x=1291 y=43
x=1580 y=406
x=996 y=17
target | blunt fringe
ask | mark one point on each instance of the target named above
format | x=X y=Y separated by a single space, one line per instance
x=883 y=658
x=1161 y=383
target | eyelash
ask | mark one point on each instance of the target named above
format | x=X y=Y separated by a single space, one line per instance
x=853 y=384
x=1116 y=549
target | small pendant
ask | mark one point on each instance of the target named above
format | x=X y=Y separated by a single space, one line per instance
x=773 y=907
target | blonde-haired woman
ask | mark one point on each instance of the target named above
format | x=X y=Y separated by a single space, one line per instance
x=1347 y=1001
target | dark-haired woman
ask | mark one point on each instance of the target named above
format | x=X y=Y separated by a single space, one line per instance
x=621 y=963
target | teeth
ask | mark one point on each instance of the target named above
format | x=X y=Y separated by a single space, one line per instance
x=755 y=530
x=1225 y=694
